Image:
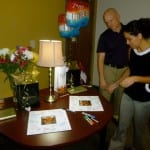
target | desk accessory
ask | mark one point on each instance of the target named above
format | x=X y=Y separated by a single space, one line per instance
x=85 y=103
x=60 y=80
x=27 y=95
x=77 y=89
x=7 y=113
x=45 y=121
x=89 y=120
x=50 y=55
x=90 y=116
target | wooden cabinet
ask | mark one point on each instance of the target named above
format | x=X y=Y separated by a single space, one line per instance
x=81 y=48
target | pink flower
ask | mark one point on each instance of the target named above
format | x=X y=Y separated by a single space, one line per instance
x=12 y=61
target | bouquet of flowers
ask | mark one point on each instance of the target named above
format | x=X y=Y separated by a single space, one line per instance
x=16 y=61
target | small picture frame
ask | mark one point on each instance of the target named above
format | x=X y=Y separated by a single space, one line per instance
x=48 y=120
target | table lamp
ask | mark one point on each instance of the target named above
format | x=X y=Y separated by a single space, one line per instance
x=50 y=55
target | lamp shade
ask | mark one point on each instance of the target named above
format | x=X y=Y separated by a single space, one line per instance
x=50 y=53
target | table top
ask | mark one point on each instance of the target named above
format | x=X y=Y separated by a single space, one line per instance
x=16 y=128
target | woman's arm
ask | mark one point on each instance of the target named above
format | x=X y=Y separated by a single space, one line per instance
x=132 y=79
x=115 y=85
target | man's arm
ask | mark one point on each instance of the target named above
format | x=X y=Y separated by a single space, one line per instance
x=100 y=62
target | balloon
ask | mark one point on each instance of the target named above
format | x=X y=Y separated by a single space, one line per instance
x=65 y=30
x=77 y=13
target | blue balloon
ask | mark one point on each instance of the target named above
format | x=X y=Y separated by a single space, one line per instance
x=69 y=32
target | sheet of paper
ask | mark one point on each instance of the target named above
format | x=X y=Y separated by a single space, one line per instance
x=85 y=103
x=45 y=121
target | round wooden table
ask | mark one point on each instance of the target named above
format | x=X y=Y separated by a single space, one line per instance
x=16 y=129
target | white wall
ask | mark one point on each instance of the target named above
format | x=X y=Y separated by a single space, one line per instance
x=128 y=9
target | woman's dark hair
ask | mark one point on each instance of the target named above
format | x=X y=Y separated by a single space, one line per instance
x=138 y=26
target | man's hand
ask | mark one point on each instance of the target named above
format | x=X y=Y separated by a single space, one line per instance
x=112 y=87
x=103 y=85
x=127 y=82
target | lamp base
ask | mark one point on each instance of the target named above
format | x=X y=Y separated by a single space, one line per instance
x=51 y=99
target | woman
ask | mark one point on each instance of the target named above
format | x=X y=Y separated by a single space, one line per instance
x=135 y=103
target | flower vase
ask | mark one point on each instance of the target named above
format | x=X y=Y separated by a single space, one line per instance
x=13 y=88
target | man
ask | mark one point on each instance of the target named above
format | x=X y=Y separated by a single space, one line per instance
x=112 y=58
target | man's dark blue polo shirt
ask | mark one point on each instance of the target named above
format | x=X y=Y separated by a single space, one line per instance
x=115 y=47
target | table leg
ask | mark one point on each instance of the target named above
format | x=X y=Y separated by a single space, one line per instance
x=102 y=135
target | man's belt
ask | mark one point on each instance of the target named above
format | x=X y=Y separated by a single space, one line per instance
x=115 y=66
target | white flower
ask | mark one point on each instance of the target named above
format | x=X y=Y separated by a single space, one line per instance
x=4 y=51
x=12 y=57
x=28 y=54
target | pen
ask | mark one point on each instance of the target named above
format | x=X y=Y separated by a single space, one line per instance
x=70 y=110
x=67 y=109
x=63 y=95
x=88 y=120
x=95 y=120
x=89 y=115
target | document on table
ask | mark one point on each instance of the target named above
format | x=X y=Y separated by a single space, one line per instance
x=45 y=121
x=85 y=103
